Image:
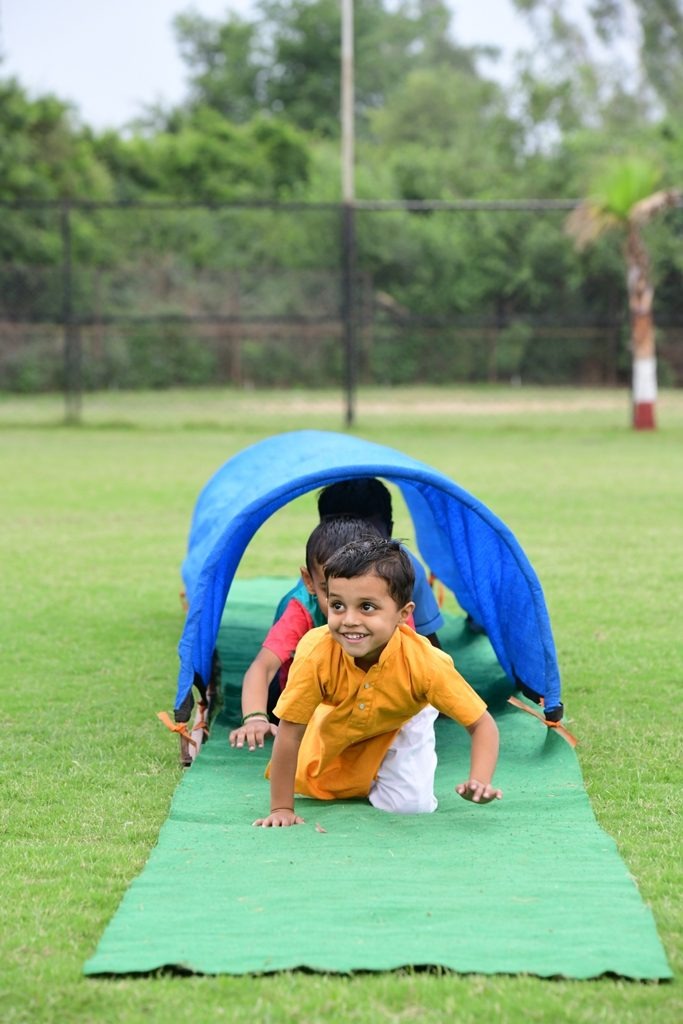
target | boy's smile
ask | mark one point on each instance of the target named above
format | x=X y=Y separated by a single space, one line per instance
x=363 y=616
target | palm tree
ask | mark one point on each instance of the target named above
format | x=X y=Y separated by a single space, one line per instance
x=626 y=199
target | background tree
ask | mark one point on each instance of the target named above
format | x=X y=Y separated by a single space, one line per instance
x=285 y=62
x=44 y=155
x=227 y=64
x=445 y=133
x=626 y=199
x=661 y=41
x=205 y=157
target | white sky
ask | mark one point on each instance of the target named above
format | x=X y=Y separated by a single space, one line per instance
x=111 y=57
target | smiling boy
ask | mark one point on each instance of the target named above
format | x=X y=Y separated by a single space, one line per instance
x=356 y=717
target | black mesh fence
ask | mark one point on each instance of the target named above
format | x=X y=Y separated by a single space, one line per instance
x=126 y=296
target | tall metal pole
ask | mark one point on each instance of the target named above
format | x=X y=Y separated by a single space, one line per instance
x=347 y=101
x=72 y=339
x=348 y=209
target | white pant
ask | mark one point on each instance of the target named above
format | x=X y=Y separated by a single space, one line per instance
x=405 y=780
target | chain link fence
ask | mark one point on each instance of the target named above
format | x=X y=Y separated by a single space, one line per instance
x=96 y=296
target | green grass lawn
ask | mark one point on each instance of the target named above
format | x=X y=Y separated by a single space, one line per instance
x=94 y=526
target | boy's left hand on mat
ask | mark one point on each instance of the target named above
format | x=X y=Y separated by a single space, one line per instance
x=478 y=792
x=280 y=818
x=253 y=734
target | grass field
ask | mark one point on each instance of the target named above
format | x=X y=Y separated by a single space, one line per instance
x=94 y=525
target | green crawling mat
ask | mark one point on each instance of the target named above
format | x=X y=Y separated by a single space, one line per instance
x=529 y=884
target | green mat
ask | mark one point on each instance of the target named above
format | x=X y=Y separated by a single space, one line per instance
x=528 y=885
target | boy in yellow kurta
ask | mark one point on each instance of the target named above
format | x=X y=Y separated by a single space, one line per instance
x=356 y=717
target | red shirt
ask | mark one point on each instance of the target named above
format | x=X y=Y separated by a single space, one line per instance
x=284 y=635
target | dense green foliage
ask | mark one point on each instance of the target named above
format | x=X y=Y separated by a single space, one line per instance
x=260 y=124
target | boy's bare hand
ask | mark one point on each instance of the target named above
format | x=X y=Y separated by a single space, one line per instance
x=253 y=733
x=478 y=792
x=279 y=819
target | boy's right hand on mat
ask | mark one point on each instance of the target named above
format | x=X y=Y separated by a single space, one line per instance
x=478 y=792
x=253 y=733
x=279 y=818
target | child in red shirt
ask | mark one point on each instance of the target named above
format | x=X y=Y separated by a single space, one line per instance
x=301 y=615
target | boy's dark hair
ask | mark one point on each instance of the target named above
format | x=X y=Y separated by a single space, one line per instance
x=333 y=534
x=365 y=498
x=384 y=558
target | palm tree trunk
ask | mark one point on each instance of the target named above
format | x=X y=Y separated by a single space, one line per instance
x=640 y=296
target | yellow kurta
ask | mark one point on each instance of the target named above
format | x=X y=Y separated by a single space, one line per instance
x=353 y=715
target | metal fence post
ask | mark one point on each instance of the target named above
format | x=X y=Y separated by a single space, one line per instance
x=73 y=385
x=348 y=307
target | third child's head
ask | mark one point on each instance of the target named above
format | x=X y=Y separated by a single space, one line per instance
x=362 y=498
x=369 y=594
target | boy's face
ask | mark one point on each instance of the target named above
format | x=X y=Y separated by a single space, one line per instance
x=363 y=616
x=315 y=583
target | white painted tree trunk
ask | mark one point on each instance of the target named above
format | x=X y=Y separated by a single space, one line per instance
x=644 y=392
x=640 y=299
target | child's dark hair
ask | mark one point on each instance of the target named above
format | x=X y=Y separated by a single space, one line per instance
x=384 y=558
x=333 y=534
x=364 y=498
